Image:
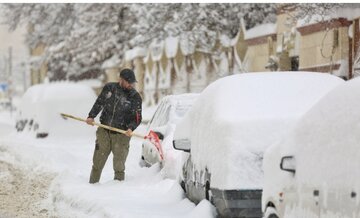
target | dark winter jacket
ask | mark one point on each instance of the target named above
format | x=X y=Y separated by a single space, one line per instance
x=121 y=108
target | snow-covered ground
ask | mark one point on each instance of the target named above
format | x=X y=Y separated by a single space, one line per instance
x=49 y=178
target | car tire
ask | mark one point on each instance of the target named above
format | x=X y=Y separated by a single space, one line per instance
x=270 y=212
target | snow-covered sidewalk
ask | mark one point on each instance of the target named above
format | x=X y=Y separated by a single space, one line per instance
x=60 y=167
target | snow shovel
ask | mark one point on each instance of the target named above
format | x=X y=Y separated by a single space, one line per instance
x=152 y=136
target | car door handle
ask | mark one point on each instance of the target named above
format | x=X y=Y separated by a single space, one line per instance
x=353 y=194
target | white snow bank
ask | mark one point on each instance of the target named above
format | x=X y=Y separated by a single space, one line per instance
x=261 y=30
x=187 y=45
x=144 y=193
x=237 y=117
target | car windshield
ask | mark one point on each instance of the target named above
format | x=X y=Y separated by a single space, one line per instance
x=161 y=116
x=163 y=113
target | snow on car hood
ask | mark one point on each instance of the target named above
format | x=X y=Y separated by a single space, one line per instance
x=237 y=117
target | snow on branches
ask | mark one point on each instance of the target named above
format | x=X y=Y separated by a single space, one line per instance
x=80 y=37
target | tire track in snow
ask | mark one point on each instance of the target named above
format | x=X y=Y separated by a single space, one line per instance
x=22 y=192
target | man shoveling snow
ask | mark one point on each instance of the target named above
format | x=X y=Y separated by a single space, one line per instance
x=120 y=106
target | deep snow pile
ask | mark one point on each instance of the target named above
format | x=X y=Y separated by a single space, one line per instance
x=144 y=193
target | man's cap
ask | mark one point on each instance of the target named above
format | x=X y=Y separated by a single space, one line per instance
x=128 y=75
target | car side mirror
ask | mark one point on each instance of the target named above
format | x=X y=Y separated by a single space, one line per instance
x=182 y=144
x=288 y=164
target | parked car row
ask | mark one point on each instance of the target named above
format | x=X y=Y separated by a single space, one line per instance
x=227 y=130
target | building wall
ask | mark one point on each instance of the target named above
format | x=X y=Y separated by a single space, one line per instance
x=112 y=74
x=321 y=49
x=259 y=57
x=139 y=69
x=354 y=45
x=316 y=49
x=38 y=74
x=241 y=46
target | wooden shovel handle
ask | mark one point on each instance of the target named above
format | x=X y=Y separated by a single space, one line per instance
x=101 y=125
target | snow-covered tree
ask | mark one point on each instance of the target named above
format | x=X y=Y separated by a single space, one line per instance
x=204 y=22
x=79 y=37
x=48 y=23
x=307 y=12
x=100 y=31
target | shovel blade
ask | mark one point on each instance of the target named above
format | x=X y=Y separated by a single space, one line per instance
x=154 y=139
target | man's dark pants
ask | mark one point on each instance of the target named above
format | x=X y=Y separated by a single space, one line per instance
x=106 y=142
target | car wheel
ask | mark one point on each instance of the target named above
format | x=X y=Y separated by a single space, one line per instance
x=270 y=212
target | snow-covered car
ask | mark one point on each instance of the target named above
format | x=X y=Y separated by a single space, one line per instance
x=314 y=171
x=169 y=111
x=229 y=127
x=41 y=105
x=5 y=104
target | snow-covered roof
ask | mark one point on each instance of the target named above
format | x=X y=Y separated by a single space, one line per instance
x=261 y=30
x=348 y=12
x=156 y=50
x=147 y=56
x=237 y=117
x=114 y=61
x=187 y=46
x=135 y=53
x=171 y=46
x=225 y=40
